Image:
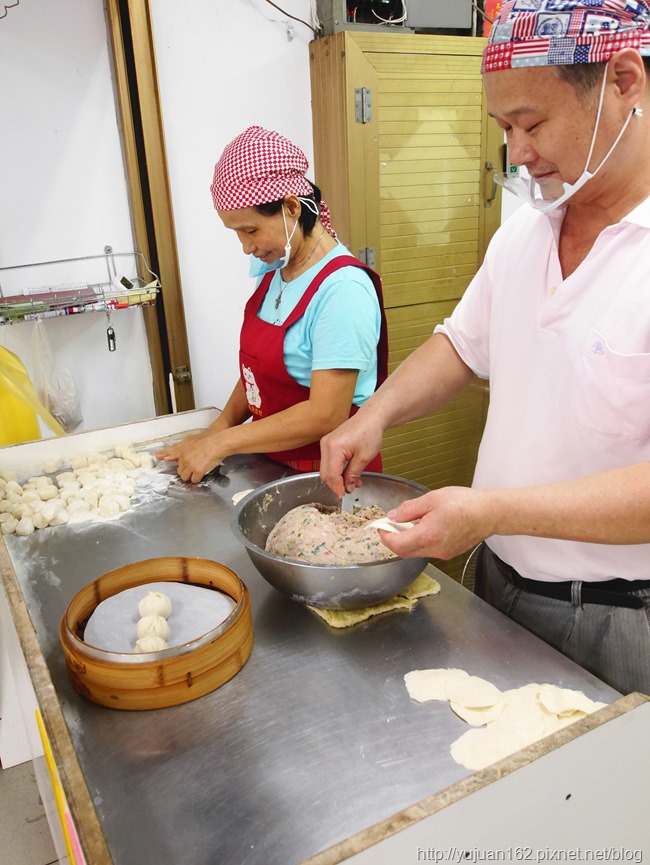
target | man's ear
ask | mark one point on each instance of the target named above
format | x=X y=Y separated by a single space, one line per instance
x=628 y=73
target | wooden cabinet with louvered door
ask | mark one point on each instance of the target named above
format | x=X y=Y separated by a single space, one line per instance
x=404 y=151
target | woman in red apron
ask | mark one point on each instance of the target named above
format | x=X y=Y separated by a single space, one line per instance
x=313 y=344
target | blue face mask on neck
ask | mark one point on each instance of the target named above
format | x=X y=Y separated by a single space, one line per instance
x=257 y=267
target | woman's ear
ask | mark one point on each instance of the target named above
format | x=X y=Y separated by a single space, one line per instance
x=292 y=206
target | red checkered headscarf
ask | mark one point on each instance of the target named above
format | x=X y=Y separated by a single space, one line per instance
x=564 y=32
x=260 y=166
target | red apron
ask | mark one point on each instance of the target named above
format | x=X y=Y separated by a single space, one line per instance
x=269 y=387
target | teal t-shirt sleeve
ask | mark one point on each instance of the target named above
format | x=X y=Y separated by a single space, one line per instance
x=340 y=330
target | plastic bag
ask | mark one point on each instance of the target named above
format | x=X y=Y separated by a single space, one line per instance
x=19 y=403
x=55 y=387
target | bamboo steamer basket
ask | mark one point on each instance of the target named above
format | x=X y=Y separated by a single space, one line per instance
x=176 y=675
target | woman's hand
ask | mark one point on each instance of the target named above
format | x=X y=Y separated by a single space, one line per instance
x=196 y=455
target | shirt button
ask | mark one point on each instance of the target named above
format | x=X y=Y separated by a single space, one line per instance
x=553 y=289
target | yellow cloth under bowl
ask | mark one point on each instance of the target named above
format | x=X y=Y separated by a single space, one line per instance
x=406 y=600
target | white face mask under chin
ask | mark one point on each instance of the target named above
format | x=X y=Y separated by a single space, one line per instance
x=531 y=191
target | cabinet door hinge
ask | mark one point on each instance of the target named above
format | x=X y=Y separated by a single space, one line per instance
x=367 y=255
x=182 y=375
x=362 y=104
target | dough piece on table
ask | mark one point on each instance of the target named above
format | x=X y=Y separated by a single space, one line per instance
x=21 y=510
x=240 y=495
x=52 y=466
x=108 y=507
x=155 y=604
x=473 y=692
x=30 y=496
x=477 y=749
x=65 y=477
x=8 y=475
x=79 y=462
x=150 y=644
x=478 y=717
x=48 y=493
x=564 y=701
x=6 y=505
x=13 y=487
x=25 y=526
x=153 y=626
x=424 y=685
x=8 y=527
x=5 y=516
x=61 y=517
x=39 y=521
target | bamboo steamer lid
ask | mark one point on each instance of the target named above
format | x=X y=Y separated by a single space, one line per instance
x=158 y=679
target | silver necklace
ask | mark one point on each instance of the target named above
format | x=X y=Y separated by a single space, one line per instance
x=284 y=284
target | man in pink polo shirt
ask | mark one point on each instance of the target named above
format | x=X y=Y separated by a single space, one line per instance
x=558 y=320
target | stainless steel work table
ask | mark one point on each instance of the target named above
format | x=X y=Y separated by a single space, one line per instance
x=313 y=741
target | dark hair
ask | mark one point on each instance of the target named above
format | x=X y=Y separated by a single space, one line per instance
x=307 y=218
x=585 y=76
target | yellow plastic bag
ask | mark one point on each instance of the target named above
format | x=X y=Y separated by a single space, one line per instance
x=19 y=404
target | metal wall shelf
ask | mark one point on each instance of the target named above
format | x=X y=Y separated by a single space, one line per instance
x=94 y=283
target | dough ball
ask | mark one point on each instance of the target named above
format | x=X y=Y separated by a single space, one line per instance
x=79 y=462
x=48 y=493
x=6 y=515
x=61 y=517
x=8 y=476
x=24 y=527
x=20 y=511
x=52 y=466
x=13 y=487
x=155 y=604
x=65 y=478
x=108 y=507
x=86 y=477
x=123 y=501
x=69 y=491
x=51 y=510
x=8 y=527
x=30 y=496
x=153 y=626
x=146 y=461
x=150 y=644
x=6 y=506
x=39 y=521
x=96 y=457
x=91 y=497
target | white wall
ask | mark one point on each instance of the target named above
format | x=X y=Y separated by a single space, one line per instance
x=223 y=67
x=64 y=194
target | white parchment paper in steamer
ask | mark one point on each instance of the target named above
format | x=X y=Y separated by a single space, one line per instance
x=195 y=611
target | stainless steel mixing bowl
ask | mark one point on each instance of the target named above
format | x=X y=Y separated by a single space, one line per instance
x=334 y=587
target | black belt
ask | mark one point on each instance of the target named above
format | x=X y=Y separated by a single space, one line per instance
x=610 y=593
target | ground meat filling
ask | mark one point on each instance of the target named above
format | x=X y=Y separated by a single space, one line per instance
x=326 y=536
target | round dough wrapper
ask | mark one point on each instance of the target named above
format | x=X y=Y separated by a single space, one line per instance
x=478 y=717
x=473 y=692
x=564 y=701
x=424 y=685
x=477 y=749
